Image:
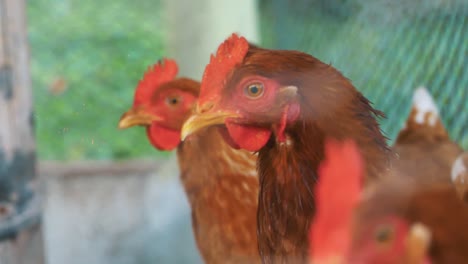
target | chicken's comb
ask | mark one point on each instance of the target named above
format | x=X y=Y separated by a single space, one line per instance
x=163 y=71
x=229 y=54
x=337 y=191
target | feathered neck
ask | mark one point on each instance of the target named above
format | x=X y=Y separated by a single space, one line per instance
x=204 y=157
x=288 y=172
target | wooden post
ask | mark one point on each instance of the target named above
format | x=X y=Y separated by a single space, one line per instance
x=20 y=233
x=194 y=29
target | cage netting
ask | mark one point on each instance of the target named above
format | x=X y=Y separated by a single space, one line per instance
x=386 y=47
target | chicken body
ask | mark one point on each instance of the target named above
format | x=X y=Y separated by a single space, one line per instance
x=337 y=237
x=420 y=189
x=437 y=207
x=283 y=104
x=423 y=147
x=221 y=183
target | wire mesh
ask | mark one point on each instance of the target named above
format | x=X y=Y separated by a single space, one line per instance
x=387 y=48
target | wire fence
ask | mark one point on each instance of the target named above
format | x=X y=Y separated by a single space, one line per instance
x=386 y=47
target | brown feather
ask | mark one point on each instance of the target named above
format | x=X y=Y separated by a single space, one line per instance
x=330 y=107
x=437 y=207
x=222 y=186
x=423 y=147
x=421 y=189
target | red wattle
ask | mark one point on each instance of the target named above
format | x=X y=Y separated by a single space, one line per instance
x=290 y=114
x=163 y=138
x=248 y=137
x=227 y=138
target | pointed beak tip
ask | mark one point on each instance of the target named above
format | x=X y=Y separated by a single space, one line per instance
x=199 y=121
x=136 y=118
x=123 y=121
x=122 y=124
x=183 y=136
x=188 y=128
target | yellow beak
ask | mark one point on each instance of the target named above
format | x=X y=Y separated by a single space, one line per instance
x=199 y=121
x=137 y=117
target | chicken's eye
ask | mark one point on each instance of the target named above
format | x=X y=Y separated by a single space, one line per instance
x=384 y=234
x=254 y=90
x=173 y=100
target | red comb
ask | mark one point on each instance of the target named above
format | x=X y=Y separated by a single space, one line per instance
x=337 y=192
x=161 y=72
x=230 y=53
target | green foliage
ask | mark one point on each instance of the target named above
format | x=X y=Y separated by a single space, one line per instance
x=100 y=49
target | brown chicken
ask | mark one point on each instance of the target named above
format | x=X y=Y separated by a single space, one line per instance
x=283 y=104
x=436 y=206
x=221 y=183
x=423 y=147
x=389 y=239
x=420 y=190
x=395 y=222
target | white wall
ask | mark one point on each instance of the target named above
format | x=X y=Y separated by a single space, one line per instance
x=98 y=214
x=194 y=29
x=117 y=214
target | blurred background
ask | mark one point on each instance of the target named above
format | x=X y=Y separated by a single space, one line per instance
x=88 y=57
x=109 y=196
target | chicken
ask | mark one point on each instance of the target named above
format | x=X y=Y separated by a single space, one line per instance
x=423 y=146
x=389 y=239
x=436 y=206
x=420 y=190
x=161 y=104
x=283 y=104
x=221 y=183
x=459 y=176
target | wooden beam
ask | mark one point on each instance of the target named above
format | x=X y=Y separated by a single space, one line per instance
x=20 y=232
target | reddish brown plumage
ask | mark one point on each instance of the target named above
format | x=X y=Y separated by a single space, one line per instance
x=420 y=189
x=335 y=234
x=222 y=187
x=302 y=101
x=446 y=215
x=424 y=149
x=221 y=183
x=437 y=207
